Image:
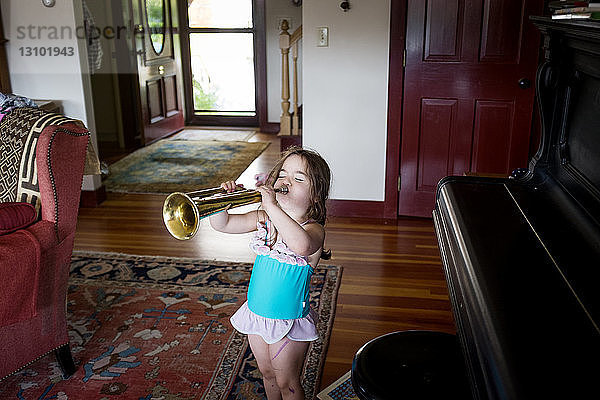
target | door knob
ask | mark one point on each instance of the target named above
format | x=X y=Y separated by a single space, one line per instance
x=139 y=28
x=524 y=83
x=161 y=69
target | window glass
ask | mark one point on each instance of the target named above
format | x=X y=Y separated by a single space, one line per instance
x=223 y=71
x=220 y=14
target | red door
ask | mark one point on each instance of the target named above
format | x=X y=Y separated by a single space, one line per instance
x=468 y=92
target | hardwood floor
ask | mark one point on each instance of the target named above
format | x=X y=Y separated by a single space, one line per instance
x=392 y=274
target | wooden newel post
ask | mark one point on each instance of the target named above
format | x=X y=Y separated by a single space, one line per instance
x=295 y=118
x=284 y=45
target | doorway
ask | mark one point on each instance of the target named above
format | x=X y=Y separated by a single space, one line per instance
x=466 y=102
x=134 y=74
x=114 y=80
x=223 y=52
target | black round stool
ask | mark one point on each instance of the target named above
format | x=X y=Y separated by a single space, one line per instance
x=410 y=365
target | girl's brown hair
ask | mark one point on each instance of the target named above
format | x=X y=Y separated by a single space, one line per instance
x=319 y=175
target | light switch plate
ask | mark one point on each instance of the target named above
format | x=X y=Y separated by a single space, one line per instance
x=322 y=36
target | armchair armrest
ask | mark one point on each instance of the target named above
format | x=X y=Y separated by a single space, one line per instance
x=20 y=256
x=60 y=156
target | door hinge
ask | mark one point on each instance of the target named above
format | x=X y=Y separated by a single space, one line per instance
x=404 y=59
x=399 y=182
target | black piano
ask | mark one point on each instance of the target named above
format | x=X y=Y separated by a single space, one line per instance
x=522 y=255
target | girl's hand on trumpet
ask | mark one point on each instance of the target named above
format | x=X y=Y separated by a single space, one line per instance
x=232 y=223
x=268 y=197
x=230 y=186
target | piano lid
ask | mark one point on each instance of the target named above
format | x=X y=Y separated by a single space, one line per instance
x=520 y=319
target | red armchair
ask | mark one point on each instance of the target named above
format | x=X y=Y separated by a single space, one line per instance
x=34 y=261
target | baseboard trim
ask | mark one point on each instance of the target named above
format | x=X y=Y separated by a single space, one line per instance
x=355 y=208
x=270 y=127
x=287 y=141
x=92 y=198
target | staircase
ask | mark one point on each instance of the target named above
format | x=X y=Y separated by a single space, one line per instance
x=289 y=123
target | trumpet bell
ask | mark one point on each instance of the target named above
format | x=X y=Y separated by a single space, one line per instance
x=182 y=212
x=181 y=216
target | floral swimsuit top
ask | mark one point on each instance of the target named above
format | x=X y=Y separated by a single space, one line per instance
x=266 y=242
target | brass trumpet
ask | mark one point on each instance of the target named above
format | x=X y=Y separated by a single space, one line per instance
x=182 y=212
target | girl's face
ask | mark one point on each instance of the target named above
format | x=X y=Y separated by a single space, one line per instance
x=293 y=175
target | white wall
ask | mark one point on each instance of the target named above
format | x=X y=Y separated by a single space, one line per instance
x=275 y=10
x=30 y=24
x=345 y=93
x=344 y=86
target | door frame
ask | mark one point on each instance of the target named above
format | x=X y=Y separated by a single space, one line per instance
x=260 y=72
x=395 y=100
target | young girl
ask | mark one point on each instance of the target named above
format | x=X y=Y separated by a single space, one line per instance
x=288 y=240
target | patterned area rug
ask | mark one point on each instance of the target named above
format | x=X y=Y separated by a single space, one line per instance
x=339 y=390
x=181 y=166
x=158 y=328
x=213 y=134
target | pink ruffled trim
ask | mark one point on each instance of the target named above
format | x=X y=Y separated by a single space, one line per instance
x=280 y=252
x=273 y=330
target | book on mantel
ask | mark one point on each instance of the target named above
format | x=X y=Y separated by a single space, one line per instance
x=557 y=5
x=576 y=16
x=574 y=10
x=577 y=10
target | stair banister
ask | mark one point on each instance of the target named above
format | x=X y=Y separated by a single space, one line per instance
x=284 y=45
x=289 y=125
x=295 y=38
